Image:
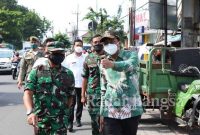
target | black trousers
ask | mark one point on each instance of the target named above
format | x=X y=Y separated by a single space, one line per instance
x=127 y=126
x=76 y=100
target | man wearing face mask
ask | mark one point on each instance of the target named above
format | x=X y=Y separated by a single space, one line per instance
x=91 y=83
x=28 y=60
x=48 y=93
x=121 y=105
x=46 y=42
x=74 y=62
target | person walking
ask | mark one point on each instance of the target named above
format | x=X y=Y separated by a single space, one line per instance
x=48 y=93
x=91 y=91
x=28 y=60
x=121 y=106
x=74 y=62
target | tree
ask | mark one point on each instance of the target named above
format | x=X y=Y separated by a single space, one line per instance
x=17 y=23
x=63 y=38
x=106 y=22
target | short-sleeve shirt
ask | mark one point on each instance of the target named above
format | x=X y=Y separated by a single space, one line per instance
x=75 y=64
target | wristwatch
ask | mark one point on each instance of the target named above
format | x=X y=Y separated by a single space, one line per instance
x=28 y=112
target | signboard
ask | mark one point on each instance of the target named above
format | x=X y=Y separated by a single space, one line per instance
x=142 y=17
x=156 y=13
x=150 y=15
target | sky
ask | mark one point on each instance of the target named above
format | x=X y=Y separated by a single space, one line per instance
x=62 y=13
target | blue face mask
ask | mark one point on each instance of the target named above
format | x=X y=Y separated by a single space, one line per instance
x=34 y=46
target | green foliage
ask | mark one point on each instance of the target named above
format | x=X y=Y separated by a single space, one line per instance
x=17 y=23
x=63 y=38
x=106 y=22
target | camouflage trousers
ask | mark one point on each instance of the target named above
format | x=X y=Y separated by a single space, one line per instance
x=93 y=102
x=95 y=123
x=62 y=131
x=52 y=126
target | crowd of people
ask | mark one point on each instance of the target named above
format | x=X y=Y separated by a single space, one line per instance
x=105 y=80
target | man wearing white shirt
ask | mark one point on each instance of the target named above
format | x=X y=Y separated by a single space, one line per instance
x=74 y=62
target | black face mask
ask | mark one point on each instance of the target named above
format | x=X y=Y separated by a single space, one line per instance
x=98 y=48
x=56 y=58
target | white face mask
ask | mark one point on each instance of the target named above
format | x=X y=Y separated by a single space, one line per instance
x=110 y=48
x=78 y=49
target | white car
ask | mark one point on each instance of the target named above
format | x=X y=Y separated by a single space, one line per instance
x=6 y=59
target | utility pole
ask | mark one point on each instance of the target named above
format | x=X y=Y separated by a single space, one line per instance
x=132 y=22
x=134 y=9
x=130 y=41
x=77 y=19
x=165 y=20
x=96 y=5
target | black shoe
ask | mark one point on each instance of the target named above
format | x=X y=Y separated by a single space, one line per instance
x=70 y=127
x=78 y=123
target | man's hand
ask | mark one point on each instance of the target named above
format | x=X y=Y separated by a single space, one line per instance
x=101 y=123
x=84 y=100
x=19 y=84
x=32 y=119
x=106 y=63
x=69 y=101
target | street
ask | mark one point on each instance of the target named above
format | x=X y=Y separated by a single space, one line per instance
x=13 y=116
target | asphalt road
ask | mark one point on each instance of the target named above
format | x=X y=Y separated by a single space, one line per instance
x=13 y=117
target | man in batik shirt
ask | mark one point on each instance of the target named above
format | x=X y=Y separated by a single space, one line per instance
x=121 y=105
x=91 y=83
x=48 y=92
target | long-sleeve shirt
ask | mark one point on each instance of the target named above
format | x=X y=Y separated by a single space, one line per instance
x=120 y=97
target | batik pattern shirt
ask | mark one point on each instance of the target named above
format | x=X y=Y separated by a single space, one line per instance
x=52 y=87
x=120 y=97
x=92 y=73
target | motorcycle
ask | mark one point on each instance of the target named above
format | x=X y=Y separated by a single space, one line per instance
x=14 y=69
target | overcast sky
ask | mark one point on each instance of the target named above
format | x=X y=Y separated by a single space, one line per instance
x=62 y=12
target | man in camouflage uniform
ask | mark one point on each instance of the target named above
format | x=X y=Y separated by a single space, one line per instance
x=91 y=83
x=28 y=60
x=48 y=93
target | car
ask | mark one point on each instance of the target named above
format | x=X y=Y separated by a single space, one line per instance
x=86 y=48
x=6 y=56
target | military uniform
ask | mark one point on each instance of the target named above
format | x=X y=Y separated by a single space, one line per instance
x=27 y=62
x=52 y=87
x=92 y=73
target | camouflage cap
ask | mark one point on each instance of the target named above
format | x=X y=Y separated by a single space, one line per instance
x=108 y=35
x=56 y=46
